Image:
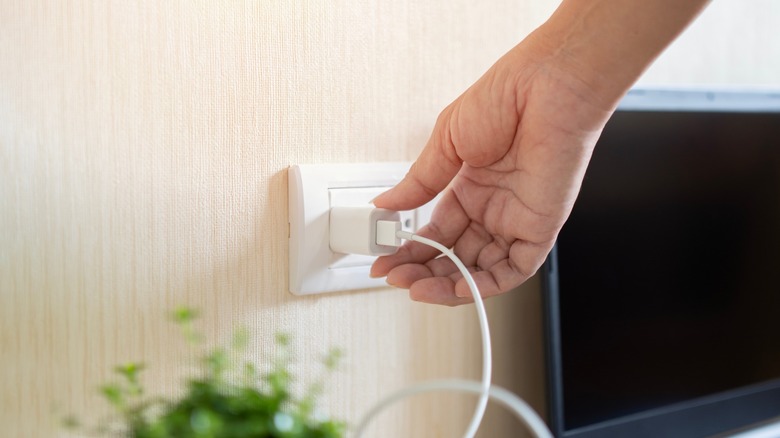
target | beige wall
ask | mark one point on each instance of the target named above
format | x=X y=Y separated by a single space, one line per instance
x=733 y=43
x=143 y=150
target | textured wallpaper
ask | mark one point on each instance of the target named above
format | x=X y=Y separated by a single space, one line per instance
x=143 y=151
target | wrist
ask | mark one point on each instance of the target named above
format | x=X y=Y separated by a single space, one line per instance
x=605 y=45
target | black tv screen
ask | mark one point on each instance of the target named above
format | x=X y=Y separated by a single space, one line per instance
x=663 y=292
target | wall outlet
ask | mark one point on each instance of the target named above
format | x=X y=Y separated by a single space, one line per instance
x=315 y=188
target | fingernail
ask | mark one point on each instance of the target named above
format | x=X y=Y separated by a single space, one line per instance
x=377 y=196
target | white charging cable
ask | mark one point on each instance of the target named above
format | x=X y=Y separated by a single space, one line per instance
x=487 y=354
x=378 y=233
x=520 y=408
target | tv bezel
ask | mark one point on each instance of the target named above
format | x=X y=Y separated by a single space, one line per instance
x=704 y=416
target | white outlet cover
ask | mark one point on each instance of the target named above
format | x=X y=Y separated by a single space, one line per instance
x=313 y=189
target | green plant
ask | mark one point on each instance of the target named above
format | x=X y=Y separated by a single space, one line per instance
x=223 y=401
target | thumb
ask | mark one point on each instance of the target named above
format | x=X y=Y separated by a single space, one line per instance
x=434 y=169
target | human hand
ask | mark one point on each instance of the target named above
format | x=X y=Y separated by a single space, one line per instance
x=514 y=147
x=511 y=153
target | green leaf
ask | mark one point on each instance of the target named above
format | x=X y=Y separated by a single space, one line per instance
x=183 y=315
x=240 y=339
x=217 y=362
x=283 y=339
x=219 y=403
x=113 y=394
x=71 y=422
x=333 y=358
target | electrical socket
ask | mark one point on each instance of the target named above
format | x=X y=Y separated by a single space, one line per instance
x=313 y=190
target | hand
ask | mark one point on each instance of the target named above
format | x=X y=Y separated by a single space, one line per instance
x=514 y=147
x=513 y=150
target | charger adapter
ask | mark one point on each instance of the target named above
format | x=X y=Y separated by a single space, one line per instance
x=364 y=230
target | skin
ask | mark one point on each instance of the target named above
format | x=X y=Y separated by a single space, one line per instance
x=510 y=153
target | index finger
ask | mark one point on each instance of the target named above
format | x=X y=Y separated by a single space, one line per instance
x=437 y=164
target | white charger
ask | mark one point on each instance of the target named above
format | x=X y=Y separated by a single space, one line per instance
x=354 y=230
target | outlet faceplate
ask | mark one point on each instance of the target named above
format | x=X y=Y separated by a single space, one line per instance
x=313 y=190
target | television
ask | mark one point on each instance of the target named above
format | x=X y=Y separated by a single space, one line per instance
x=662 y=293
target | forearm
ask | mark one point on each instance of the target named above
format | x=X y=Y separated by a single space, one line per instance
x=607 y=44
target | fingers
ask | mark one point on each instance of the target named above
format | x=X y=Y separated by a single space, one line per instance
x=471 y=243
x=447 y=225
x=436 y=290
x=497 y=265
x=434 y=169
x=442 y=290
x=486 y=283
x=452 y=290
x=515 y=267
x=406 y=275
x=493 y=253
x=439 y=282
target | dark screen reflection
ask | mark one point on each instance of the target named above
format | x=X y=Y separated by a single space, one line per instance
x=669 y=266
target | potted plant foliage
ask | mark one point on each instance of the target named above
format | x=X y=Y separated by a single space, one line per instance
x=225 y=399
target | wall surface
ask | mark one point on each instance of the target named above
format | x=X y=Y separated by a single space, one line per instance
x=143 y=156
x=143 y=148
x=733 y=43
